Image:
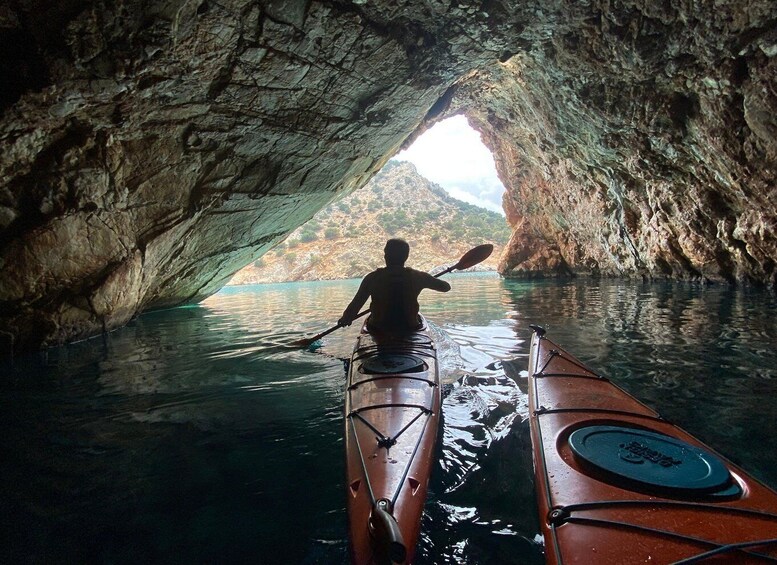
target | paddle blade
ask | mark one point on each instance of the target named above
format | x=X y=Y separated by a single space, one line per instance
x=474 y=256
x=305 y=344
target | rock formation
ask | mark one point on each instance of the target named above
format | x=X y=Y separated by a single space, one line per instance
x=148 y=150
x=640 y=138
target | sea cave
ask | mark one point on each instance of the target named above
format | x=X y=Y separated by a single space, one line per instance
x=151 y=150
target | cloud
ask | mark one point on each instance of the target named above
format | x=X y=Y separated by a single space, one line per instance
x=452 y=155
x=479 y=196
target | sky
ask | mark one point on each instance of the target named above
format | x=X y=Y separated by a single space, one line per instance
x=451 y=154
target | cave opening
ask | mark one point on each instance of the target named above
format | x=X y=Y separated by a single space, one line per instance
x=442 y=194
x=452 y=155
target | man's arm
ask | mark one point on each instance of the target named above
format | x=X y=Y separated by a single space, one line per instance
x=436 y=284
x=356 y=304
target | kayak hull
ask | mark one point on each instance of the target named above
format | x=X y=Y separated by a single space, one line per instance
x=618 y=484
x=392 y=413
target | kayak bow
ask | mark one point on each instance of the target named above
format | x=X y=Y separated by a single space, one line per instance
x=392 y=413
x=616 y=483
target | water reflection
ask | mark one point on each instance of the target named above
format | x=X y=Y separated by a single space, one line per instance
x=704 y=357
x=195 y=435
x=176 y=439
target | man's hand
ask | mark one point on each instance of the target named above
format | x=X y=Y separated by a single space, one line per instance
x=342 y=322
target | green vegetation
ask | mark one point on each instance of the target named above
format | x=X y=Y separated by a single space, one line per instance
x=394 y=221
x=308 y=233
x=396 y=203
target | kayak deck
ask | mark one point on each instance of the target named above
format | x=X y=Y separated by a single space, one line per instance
x=618 y=484
x=392 y=412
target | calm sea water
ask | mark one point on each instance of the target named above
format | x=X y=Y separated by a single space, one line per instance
x=193 y=436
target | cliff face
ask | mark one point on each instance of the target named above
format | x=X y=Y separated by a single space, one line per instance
x=639 y=139
x=150 y=150
x=345 y=240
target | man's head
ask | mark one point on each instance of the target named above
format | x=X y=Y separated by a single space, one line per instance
x=396 y=252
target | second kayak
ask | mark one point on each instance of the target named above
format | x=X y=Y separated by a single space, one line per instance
x=392 y=414
x=616 y=483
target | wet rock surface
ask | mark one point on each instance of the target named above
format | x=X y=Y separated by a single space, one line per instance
x=150 y=150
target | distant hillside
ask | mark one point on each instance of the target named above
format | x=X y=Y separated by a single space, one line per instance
x=346 y=239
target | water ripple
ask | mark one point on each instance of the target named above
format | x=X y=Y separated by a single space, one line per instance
x=200 y=435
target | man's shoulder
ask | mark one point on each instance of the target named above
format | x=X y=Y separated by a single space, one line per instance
x=417 y=273
x=372 y=274
x=420 y=277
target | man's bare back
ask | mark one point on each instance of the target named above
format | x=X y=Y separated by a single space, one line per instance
x=394 y=291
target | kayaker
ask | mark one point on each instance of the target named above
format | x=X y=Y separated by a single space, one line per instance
x=394 y=291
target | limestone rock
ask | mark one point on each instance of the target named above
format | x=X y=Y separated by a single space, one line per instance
x=638 y=140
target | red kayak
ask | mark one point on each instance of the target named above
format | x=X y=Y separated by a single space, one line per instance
x=392 y=413
x=618 y=484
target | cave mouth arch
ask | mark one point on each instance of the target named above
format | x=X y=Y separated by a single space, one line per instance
x=442 y=195
x=452 y=154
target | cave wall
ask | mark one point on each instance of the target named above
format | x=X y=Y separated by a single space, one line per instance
x=148 y=150
x=639 y=139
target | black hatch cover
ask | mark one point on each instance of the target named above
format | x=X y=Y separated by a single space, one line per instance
x=652 y=459
x=393 y=363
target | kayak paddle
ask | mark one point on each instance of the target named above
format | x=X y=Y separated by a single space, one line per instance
x=469 y=259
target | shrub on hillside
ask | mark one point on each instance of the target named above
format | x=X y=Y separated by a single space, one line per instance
x=307 y=235
x=400 y=217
